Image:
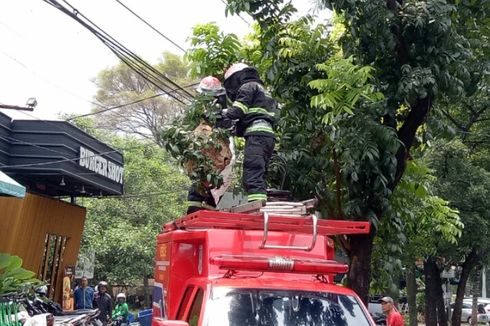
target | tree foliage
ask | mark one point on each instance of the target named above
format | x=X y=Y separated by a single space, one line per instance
x=120 y=85
x=197 y=151
x=416 y=50
x=122 y=231
x=425 y=223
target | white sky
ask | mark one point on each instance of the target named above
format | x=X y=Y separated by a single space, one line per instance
x=47 y=55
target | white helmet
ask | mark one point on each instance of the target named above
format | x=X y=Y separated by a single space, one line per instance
x=121 y=295
x=211 y=86
x=236 y=67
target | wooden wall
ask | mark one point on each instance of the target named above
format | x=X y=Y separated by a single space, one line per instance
x=24 y=224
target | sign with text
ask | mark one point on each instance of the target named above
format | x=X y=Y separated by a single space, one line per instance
x=85 y=265
x=100 y=165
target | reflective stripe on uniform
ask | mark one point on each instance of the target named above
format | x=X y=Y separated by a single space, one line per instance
x=261 y=126
x=263 y=129
x=201 y=205
x=194 y=203
x=253 y=197
x=241 y=106
x=260 y=110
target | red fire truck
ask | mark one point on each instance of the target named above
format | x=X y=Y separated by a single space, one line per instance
x=235 y=269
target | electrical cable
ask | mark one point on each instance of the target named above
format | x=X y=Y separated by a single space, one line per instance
x=55 y=126
x=123 y=105
x=120 y=46
x=10 y=139
x=141 y=67
x=149 y=25
x=23 y=65
x=56 y=161
x=246 y=22
x=149 y=194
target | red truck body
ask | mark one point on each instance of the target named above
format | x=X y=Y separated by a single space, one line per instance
x=220 y=268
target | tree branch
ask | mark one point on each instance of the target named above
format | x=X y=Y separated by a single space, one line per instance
x=406 y=134
x=453 y=120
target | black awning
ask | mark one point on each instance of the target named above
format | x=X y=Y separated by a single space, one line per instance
x=56 y=158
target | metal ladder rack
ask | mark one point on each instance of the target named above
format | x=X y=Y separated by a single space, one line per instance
x=267 y=222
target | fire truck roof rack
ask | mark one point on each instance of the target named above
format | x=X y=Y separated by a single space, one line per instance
x=267 y=222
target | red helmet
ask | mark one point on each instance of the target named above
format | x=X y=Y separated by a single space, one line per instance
x=236 y=67
x=210 y=86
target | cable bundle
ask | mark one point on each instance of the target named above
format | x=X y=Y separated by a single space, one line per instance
x=140 y=66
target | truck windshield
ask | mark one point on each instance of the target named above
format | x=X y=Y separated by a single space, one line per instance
x=253 y=307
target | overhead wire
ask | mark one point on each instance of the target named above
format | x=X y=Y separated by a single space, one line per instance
x=151 y=26
x=123 y=105
x=244 y=20
x=141 y=67
x=54 y=161
x=10 y=139
x=23 y=65
x=148 y=194
x=56 y=126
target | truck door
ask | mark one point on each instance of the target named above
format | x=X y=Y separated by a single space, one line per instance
x=190 y=307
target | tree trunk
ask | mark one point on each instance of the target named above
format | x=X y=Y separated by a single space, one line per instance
x=475 y=291
x=435 y=314
x=470 y=262
x=359 y=275
x=441 y=306
x=146 y=292
x=430 y=309
x=412 y=294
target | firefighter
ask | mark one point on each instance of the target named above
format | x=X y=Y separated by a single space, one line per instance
x=199 y=196
x=254 y=111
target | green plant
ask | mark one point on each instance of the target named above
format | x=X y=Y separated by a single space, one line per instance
x=14 y=278
x=190 y=140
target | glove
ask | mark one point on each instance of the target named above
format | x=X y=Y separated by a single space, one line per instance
x=224 y=123
x=212 y=117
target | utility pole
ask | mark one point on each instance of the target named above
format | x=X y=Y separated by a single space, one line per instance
x=30 y=105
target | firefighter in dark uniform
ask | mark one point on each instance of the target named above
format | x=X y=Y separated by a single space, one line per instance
x=254 y=112
x=199 y=196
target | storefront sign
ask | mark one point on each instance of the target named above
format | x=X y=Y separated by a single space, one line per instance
x=85 y=265
x=100 y=165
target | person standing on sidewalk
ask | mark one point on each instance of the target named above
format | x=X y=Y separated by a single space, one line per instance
x=84 y=295
x=393 y=316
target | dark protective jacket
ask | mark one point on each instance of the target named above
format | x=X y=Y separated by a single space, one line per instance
x=254 y=109
x=103 y=302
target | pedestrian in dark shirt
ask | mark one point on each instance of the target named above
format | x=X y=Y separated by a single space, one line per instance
x=103 y=302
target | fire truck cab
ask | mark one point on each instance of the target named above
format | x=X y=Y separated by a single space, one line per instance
x=221 y=268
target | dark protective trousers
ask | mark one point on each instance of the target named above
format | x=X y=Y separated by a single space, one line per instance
x=195 y=198
x=258 y=152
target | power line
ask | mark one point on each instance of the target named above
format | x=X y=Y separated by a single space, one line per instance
x=10 y=139
x=246 y=22
x=56 y=126
x=53 y=162
x=141 y=67
x=23 y=65
x=123 y=105
x=150 y=194
x=149 y=25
